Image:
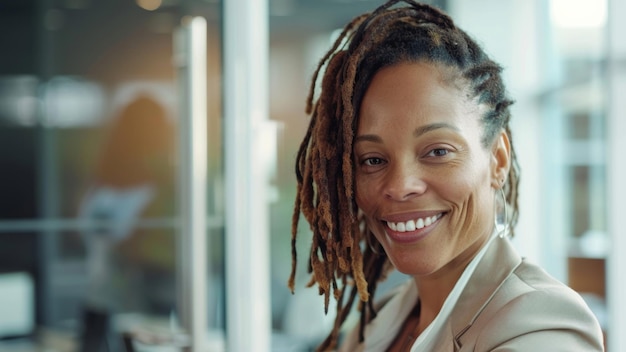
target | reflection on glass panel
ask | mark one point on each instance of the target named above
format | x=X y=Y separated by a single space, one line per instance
x=124 y=168
x=88 y=152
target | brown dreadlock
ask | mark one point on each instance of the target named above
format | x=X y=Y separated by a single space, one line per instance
x=341 y=253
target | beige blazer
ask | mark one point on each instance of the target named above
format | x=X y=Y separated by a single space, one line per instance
x=508 y=304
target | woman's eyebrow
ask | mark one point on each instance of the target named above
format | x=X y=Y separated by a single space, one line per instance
x=433 y=126
x=416 y=133
x=368 y=138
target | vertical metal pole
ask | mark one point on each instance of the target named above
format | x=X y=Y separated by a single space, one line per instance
x=616 y=170
x=47 y=174
x=248 y=322
x=191 y=59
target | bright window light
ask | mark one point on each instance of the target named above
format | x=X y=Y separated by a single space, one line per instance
x=578 y=13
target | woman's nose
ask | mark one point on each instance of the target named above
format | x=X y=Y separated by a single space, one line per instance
x=404 y=182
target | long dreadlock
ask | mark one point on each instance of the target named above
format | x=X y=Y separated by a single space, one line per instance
x=343 y=252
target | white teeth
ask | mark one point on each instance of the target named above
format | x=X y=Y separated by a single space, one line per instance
x=413 y=225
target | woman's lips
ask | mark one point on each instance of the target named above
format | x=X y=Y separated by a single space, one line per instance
x=411 y=230
x=413 y=225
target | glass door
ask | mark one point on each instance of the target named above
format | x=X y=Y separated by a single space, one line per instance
x=91 y=105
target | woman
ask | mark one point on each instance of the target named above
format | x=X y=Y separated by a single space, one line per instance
x=408 y=165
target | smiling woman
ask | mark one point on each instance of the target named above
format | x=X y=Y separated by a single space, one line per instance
x=406 y=158
x=429 y=165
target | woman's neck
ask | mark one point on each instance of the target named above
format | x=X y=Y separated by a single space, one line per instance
x=433 y=289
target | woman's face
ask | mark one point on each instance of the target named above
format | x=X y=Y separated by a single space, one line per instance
x=424 y=180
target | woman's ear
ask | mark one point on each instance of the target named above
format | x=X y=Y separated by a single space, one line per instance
x=500 y=160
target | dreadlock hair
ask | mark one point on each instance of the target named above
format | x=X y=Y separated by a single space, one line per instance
x=342 y=255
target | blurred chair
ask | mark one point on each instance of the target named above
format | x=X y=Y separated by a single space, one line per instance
x=96 y=331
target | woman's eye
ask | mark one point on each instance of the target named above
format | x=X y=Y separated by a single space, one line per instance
x=373 y=161
x=438 y=152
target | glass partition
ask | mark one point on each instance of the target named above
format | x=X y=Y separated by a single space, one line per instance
x=90 y=111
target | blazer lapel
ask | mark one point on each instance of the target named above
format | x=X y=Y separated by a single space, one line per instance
x=499 y=262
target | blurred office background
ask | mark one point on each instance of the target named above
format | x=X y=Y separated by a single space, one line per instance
x=115 y=131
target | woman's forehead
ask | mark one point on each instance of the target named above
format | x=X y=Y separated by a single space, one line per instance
x=418 y=91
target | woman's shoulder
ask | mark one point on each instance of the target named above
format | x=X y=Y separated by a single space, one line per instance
x=537 y=279
x=534 y=286
x=532 y=309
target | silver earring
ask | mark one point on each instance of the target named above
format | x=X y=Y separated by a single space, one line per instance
x=501 y=216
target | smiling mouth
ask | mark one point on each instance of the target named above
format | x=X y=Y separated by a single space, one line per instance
x=413 y=225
